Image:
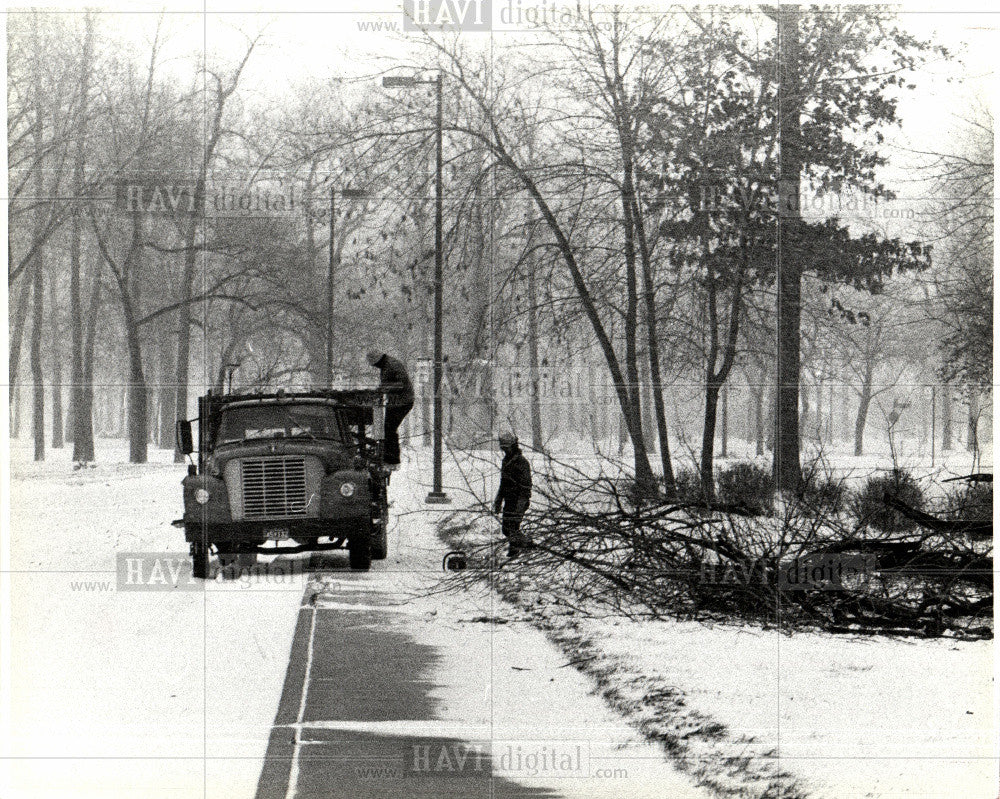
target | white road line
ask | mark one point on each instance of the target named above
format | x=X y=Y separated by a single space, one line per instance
x=293 y=772
x=324 y=605
x=431 y=728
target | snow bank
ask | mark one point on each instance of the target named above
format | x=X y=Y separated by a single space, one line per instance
x=845 y=715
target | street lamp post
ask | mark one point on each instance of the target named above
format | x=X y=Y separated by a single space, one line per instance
x=345 y=193
x=437 y=494
x=331 y=266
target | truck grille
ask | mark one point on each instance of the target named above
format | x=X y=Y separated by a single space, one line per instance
x=274 y=488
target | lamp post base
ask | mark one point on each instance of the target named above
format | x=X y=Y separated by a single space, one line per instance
x=437 y=498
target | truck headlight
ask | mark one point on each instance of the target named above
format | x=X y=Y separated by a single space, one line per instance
x=347 y=489
x=201 y=496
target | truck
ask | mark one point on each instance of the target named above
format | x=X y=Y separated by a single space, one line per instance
x=285 y=472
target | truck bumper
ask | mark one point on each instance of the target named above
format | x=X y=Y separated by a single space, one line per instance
x=257 y=532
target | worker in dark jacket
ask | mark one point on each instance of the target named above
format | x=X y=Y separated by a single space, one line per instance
x=399 y=400
x=514 y=494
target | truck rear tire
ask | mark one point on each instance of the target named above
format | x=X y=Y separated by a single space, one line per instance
x=199 y=561
x=359 y=548
x=380 y=541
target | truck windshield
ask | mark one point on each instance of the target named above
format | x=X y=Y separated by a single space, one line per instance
x=278 y=421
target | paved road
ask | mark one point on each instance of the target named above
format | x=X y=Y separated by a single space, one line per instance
x=391 y=695
x=351 y=680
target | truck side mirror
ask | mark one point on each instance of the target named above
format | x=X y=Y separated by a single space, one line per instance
x=185 y=441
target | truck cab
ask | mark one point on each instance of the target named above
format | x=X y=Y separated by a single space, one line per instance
x=285 y=472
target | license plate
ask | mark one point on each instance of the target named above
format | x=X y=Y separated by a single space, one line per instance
x=276 y=533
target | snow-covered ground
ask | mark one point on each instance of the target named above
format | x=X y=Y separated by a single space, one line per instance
x=820 y=714
x=126 y=693
x=173 y=693
x=846 y=716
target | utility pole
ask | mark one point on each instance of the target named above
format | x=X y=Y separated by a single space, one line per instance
x=787 y=473
x=329 y=289
x=436 y=495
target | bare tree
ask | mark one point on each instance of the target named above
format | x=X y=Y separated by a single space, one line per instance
x=869 y=339
x=222 y=90
x=83 y=426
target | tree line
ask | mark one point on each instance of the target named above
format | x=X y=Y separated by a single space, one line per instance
x=629 y=193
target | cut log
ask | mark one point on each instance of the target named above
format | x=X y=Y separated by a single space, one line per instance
x=973 y=529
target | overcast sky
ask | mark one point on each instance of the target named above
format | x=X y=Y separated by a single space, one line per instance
x=321 y=39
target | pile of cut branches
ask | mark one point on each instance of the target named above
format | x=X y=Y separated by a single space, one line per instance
x=801 y=566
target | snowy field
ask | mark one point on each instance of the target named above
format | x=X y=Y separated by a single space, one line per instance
x=846 y=716
x=130 y=693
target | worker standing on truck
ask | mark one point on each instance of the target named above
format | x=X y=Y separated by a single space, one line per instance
x=514 y=494
x=395 y=382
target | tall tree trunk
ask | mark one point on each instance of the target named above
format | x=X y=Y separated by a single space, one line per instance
x=715 y=379
x=644 y=480
x=191 y=252
x=38 y=304
x=168 y=400
x=946 y=431
x=184 y=330
x=138 y=431
x=645 y=483
x=706 y=468
x=20 y=320
x=83 y=431
x=56 y=354
x=154 y=365
x=787 y=473
x=653 y=347
x=862 y=418
x=646 y=402
x=972 y=437
x=187 y=280
x=37 y=378
x=83 y=446
x=533 y=360
x=724 y=450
